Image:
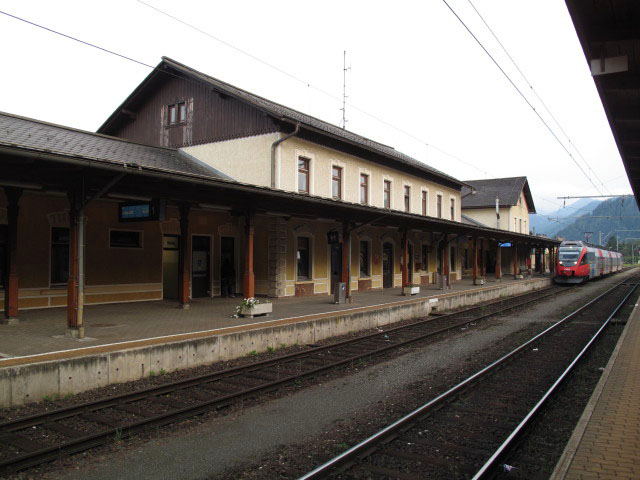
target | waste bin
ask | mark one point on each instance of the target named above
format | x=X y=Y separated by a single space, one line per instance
x=340 y=293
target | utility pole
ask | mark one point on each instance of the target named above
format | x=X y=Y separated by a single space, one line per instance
x=344 y=89
x=498 y=213
x=632 y=248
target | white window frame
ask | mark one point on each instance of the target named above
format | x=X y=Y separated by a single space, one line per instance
x=390 y=180
x=370 y=251
x=411 y=195
x=343 y=166
x=425 y=190
x=425 y=267
x=367 y=172
x=305 y=234
x=435 y=213
x=455 y=209
x=312 y=162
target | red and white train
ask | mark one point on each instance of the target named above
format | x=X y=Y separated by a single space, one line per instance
x=579 y=262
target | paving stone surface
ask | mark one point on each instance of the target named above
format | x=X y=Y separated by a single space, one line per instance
x=606 y=444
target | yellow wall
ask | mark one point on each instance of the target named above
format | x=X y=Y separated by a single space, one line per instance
x=520 y=212
x=487 y=216
x=320 y=273
x=247 y=160
x=321 y=279
x=135 y=274
x=109 y=266
x=112 y=274
x=119 y=274
x=322 y=161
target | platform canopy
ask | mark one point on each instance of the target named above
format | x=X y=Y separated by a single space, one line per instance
x=609 y=32
x=52 y=158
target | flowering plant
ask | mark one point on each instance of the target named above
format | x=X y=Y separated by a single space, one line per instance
x=246 y=303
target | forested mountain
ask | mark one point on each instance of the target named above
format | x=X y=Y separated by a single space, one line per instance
x=551 y=223
x=617 y=217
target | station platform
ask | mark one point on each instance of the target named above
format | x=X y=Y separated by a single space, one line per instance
x=606 y=441
x=125 y=342
x=43 y=330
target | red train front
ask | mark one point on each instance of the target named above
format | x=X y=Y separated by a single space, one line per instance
x=578 y=262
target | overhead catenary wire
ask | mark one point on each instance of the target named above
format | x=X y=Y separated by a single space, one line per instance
x=320 y=90
x=308 y=84
x=533 y=90
x=521 y=95
x=106 y=50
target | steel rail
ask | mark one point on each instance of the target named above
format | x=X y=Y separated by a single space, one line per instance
x=61 y=413
x=526 y=421
x=33 y=458
x=368 y=445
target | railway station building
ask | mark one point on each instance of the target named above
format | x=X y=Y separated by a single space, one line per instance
x=503 y=204
x=196 y=188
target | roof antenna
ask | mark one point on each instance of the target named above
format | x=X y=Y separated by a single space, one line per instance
x=344 y=89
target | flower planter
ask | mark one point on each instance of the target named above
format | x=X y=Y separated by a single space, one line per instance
x=412 y=290
x=257 y=309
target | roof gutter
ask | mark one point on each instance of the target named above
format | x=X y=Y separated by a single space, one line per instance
x=135 y=169
x=274 y=145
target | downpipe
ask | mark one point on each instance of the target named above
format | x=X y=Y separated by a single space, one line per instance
x=274 y=145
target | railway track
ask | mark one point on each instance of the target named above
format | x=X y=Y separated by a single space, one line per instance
x=37 y=439
x=466 y=431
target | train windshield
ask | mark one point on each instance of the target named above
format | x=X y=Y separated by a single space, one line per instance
x=567 y=257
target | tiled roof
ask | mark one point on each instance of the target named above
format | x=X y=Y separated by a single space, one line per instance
x=42 y=137
x=506 y=189
x=470 y=221
x=282 y=112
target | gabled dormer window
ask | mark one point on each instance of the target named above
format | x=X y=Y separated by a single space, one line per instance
x=177 y=113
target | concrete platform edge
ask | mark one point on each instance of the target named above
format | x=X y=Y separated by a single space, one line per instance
x=571 y=448
x=28 y=379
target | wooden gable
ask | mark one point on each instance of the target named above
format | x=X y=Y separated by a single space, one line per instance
x=211 y=115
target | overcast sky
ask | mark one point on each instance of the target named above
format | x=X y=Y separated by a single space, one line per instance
x=418 y=81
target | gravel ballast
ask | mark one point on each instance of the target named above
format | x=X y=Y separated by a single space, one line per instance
x=308 y=425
